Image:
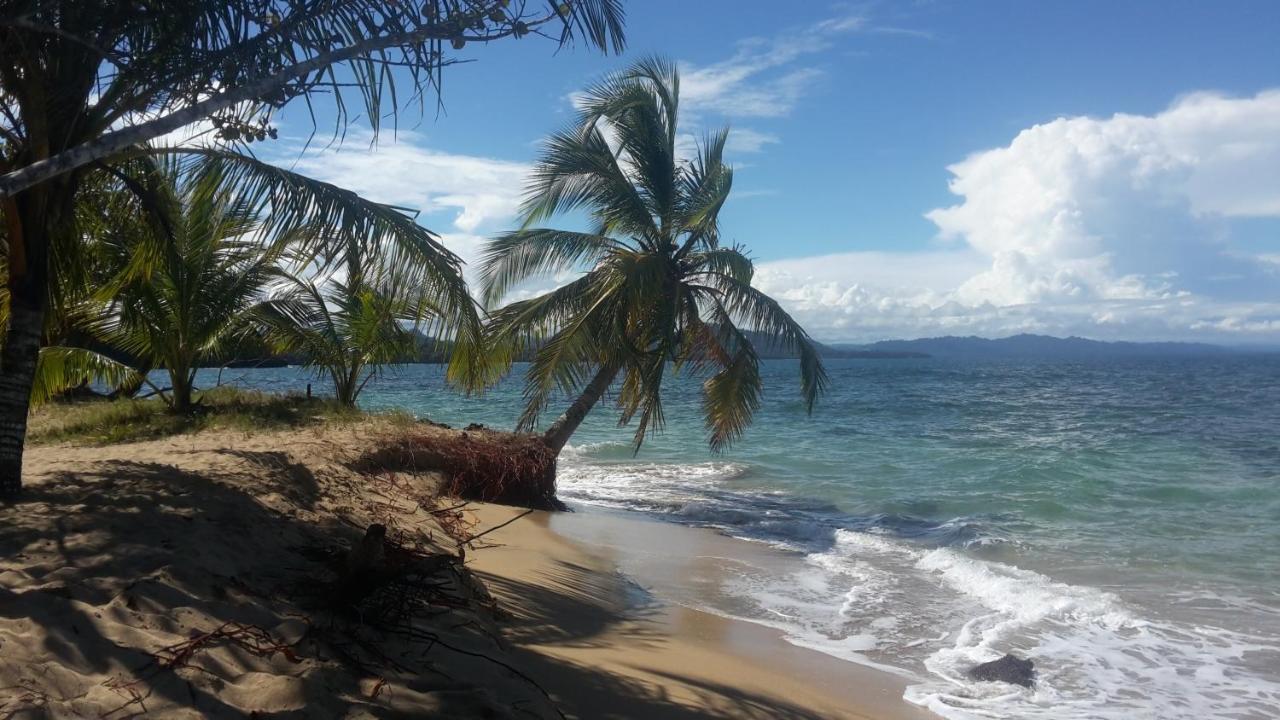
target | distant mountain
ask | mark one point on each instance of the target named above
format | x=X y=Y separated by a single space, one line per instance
x=1041 y=347
x=1038 y=346
x=770 y=349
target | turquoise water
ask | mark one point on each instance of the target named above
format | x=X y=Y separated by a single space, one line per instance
x=1116 y=521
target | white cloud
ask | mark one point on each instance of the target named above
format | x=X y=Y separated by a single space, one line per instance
x=1106 y=227
x=746 y=140
x=481 y=193
x=763 y=78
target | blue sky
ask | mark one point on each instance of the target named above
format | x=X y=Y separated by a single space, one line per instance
x=921 y=168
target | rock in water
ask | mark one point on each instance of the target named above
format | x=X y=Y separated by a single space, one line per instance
x=1009 y=669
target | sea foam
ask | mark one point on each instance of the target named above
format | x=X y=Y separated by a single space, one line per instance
x=906 y=595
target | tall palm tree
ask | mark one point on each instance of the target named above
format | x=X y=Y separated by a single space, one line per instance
x=659 y=291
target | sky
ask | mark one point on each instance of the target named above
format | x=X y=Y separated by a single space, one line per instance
x=915 y=169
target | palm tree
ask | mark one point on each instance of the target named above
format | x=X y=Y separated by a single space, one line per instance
x=83 y=82
x=129 y=217
x=659 y=290
x=347 y=328
x=219 y=230
x=202 y=281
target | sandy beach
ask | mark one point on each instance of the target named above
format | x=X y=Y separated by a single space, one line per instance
x=188 y=577
x=607 y=649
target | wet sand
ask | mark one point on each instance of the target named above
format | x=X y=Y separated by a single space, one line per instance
x=590 y=628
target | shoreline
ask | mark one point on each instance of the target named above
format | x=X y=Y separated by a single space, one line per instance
x=127 y=593
x=590 y=627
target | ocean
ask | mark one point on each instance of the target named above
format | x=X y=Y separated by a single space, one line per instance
x=1117 y=521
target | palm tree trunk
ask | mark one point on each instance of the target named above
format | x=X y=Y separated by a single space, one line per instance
x=29 y=218
x=182 y=382
x=181 y=399
x=563 y=428
x=17 y=372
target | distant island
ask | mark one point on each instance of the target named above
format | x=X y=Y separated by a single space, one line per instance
x=1028 y=346
x=771 y=350
x=1025 y=346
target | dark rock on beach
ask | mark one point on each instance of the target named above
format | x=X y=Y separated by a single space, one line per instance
x=1009 y=669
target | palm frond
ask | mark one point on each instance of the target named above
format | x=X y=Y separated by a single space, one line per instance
x=706 y=183
x=59 y=369
x=578 y=169
x=516 y=256
x=764 y=315
x=723 y=261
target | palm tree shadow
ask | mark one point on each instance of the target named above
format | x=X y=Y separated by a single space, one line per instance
x=109 y=554
x=571 y=606
x=569 y=590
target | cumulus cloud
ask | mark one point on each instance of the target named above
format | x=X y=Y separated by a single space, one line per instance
x=1098 y=226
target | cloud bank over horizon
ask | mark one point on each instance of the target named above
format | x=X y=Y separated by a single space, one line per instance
x=1116 y=228
x=1124 y=227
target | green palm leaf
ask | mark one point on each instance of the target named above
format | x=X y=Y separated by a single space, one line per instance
x=61 y=368
x=660 y=294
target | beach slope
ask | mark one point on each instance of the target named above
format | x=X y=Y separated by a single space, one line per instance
x=196 y=576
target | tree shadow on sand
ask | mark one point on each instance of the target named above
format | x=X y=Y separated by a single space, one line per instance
x=568 y=590
x=110 y=560
x=104 y=572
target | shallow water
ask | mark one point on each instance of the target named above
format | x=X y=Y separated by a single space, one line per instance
x=1115 y=521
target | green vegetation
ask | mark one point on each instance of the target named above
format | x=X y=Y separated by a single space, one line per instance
x=201 y=284
x=660 y=293
x=102 y=422
x=347 y=328
x=122 y=258
x=86 y=85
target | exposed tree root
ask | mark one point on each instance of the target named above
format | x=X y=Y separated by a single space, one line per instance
x=481 y=464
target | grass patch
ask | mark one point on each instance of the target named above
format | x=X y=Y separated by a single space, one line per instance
x=104 y=422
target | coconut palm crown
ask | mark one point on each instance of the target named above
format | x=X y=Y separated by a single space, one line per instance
x=349 y=328
x=659 y=293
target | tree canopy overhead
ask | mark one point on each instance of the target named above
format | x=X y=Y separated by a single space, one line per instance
x=142 y=68
x=86 y=83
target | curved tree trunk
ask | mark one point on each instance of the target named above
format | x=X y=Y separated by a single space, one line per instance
x=563 y=428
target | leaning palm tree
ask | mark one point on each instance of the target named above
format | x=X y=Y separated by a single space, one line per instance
x=659 y=292
x=347 y=328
